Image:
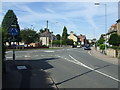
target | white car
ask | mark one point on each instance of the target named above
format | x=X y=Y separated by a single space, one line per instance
x=79 y=46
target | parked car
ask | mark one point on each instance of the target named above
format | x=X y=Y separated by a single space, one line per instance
x=79 y=46
x=87 y=48
x=13 y=45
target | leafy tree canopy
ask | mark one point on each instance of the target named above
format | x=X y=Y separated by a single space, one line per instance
x=114 y=39
x=9 y=20
x=101 y=40
x=29 y=36
x=58 y=36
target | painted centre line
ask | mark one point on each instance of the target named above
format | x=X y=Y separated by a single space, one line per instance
x=79 y=63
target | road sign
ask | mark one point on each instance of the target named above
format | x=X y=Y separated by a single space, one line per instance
x=13 y=31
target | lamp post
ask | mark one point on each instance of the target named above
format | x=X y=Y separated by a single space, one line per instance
x=60 y=36
x=105 y=21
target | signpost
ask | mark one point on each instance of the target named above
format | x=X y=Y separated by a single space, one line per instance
x=14 y=32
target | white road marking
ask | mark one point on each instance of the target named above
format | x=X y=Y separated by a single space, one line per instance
x=89 y=53
x=27 y=56
x=49 y=51
x=82 y=64
x=8 y=51
x=9 y=57
x=78 y=62
x=66 y=59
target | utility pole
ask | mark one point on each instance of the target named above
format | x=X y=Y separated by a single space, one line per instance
x=105 y=23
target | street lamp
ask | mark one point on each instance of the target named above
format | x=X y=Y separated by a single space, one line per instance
x=105 y=21
x=60 y=36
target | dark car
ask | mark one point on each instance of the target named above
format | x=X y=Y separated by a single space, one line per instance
x=87 y=48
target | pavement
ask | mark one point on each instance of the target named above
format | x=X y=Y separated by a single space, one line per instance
x=103 y=57
x=27 y=76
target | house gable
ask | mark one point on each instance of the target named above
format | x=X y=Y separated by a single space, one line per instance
x=73 y=37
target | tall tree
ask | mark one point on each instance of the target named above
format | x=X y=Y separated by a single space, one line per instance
x=29 y=36
x=9 y=20
x=3 y=49
x=64 y=34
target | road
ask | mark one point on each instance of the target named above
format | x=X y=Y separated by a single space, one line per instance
x=73 y=68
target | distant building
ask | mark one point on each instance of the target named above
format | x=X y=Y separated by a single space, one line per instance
x=35 y=44
x=112 y=30
x=118 y=26
x=46 y=37
x=73 y=37
x=82 y=39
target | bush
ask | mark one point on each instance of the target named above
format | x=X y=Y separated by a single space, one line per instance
x=102 y=47
x=114 y=39
x=44 y=46
x=56 y=42
x=69 y=42
x=115 y=47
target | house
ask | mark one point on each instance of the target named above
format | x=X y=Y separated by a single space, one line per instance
x=73 y=37
x=118 y=26
x=46 y=37
x=82 y=39
x=35 y=44
x=112 y=30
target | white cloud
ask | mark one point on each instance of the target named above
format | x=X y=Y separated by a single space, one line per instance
x=61 y=1
x=64 y=13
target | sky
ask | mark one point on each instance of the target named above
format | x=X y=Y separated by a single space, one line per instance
x=80 y=17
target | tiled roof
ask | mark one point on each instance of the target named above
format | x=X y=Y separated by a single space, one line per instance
x=45 y=34
x=113 y=28
x=118 y=20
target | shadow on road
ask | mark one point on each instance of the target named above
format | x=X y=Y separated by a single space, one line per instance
x=80 y=75
x=32 y=77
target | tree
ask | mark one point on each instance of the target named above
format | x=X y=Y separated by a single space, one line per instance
x=9 y=20
x=64 y=35
x=114 y=39
x=101 y=40
x=58 y=36
x=41 y=31
x=29 y=36
x=3 y=49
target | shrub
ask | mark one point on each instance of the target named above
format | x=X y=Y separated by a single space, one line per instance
x=102 y=46
x=115 y=47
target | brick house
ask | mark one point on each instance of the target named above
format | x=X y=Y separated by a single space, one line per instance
x=82 y=39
